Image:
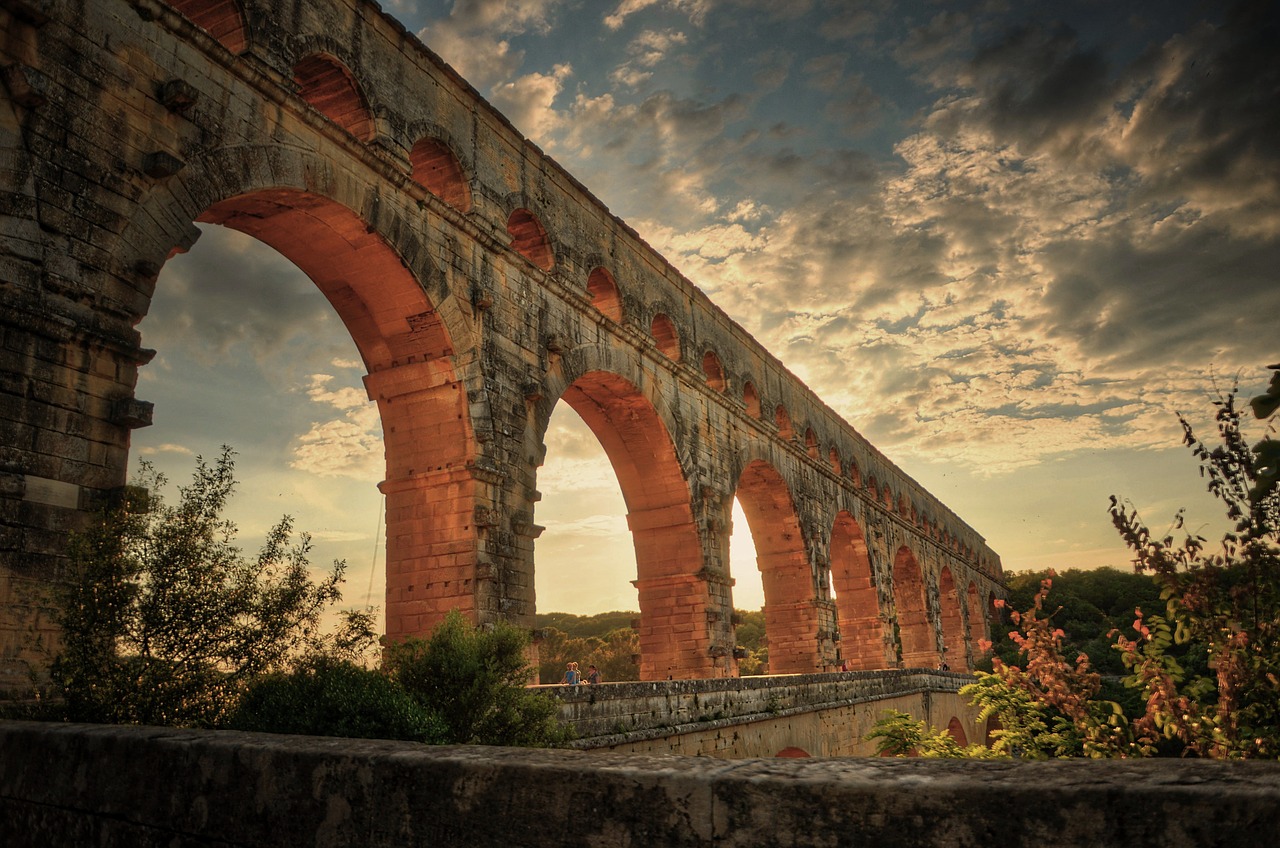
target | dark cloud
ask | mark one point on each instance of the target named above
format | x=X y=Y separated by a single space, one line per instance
x=231 y=291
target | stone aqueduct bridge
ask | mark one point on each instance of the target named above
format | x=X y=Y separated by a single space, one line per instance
x=481 y=284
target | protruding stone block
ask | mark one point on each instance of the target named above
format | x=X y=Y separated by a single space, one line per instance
x=132 y=413
x=178 y=95
x=27 y=86
x=161 y=165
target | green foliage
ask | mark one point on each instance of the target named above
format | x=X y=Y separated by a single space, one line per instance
x=332 y=697
x=586 y=626
x=1226 y=602
x=897 y=734
x=474 y=680
x=754 y=641
x=1089 y=605
x=615 y=654
x=164 y=621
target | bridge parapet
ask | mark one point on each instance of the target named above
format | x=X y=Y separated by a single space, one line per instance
x=613 y=714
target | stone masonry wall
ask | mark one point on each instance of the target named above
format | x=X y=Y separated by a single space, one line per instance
x=823 y=714
x=144 y=787
x=477 y=306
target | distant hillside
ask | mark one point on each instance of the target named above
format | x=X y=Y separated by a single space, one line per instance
x=585 y=626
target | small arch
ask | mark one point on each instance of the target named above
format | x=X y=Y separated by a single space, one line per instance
x=953 y=646
x=715 y=372
x=956 y=730
x=811 y=443
x=835 y=461
x=873 y=487
x=792 y=752
x=783 y=419
x=604 y=294
x=977 y=626
x=888 y=497
x=751 y=399
x=857 y=604
x=222 y=19
x=665 y=336
x=915 y=632
x=437 y=170
x=855 y=473
x=904 y=506
x=529 y=239
x=329 y=87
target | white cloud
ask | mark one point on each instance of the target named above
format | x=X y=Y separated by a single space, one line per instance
x=167 y=447
x=529 y=102
x=347 y=446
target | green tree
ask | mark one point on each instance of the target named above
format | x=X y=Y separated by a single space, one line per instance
x=164 y=621
x=474 y=680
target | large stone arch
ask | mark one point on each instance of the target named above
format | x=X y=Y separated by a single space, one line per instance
x=862 y=643
x=375 y=284
x=915 y=631
x=631 y=422
x=791 y=612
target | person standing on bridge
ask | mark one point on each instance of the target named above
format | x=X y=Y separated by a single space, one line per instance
x=593 y=675
x=571 y=675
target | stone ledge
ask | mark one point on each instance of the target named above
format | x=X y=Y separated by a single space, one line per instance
x=84 y=784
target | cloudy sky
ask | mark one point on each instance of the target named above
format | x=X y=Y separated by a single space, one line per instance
x=1008 y=241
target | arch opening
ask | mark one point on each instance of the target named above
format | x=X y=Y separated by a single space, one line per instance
x=782 y=419
x=437 y=169
x=861 y=627
x=977 y=630
x=955 y=729
x=953 y=642
x=370 y=289
x=603 y=289
x=790 y=611
x=529 y=239
x=673 y=600
x=915 y=632
x=751 y=399
x=713 y=371
x=665 y=336
x=329 y=87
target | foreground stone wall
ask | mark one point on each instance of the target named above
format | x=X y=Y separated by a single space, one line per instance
x=91 y=785
x=826 y=715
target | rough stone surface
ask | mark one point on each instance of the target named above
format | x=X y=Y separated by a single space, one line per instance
x=823 y=715
x=116 y=786
x=481 y=284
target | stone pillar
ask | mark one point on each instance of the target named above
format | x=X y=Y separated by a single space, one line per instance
x=675 y=636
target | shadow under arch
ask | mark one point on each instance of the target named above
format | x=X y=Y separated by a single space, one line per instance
x=915 y=631
x=672 y=590
x=790 y=598
x=858 y=605
x=407 y=350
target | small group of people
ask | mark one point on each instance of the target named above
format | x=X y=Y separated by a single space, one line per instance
x=573 y=677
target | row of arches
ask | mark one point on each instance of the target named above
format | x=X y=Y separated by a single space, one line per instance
x=875 y=609
x=330 y=87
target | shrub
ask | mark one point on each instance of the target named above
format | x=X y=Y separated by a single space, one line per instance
x=327 y=697
x=474 y=680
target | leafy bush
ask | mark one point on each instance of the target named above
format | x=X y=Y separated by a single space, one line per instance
x=327 y=697
x=163 y=621
x=474 y=680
